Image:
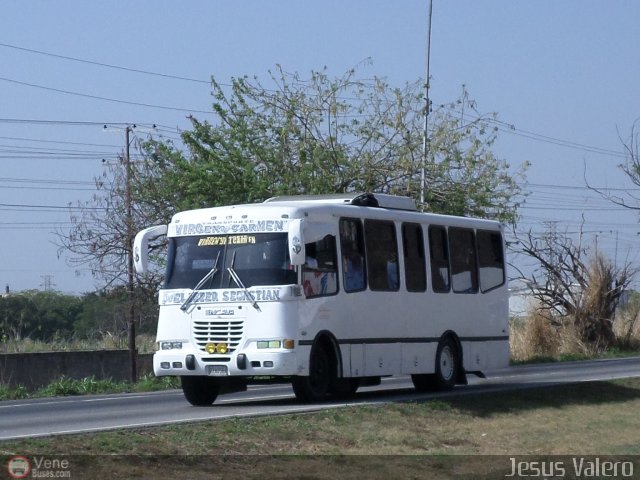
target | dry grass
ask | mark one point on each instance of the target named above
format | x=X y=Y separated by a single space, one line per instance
x=627 y=324
x=540 y=336
x=537 y=337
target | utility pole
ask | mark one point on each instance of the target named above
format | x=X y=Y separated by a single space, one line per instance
x=47 y=283
x=425 y=139
x=131 y=324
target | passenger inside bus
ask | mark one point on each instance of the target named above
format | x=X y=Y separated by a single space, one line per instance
x=353 y=271
x=353 y=265
x=319 y=271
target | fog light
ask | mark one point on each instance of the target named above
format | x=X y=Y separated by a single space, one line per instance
x=267 y=364
x=165 y=365
x=212 y=348
x=176 y=364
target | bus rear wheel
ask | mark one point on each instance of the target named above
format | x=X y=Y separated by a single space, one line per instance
x=447 y=364
x=200 y=391
x=317 y=385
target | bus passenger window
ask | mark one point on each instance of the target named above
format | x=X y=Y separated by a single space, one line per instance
x=490 y=259
x=439 y=256
x=414 y=261
x=382 y=255
x=352 y=246
x=464 y=269
x=319 y=273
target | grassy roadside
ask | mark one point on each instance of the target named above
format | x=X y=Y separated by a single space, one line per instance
x=87 y=386
x=569 y=420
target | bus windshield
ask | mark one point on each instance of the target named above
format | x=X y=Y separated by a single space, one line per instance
x=257 y=259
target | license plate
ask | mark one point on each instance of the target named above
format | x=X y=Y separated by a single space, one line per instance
x=217 y=370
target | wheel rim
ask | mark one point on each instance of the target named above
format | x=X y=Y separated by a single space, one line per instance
x=447 y=363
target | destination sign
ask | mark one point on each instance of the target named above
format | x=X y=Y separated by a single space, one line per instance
x=232 y=226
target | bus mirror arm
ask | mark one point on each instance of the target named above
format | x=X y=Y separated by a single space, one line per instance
x=141 y=247
x=296 y=242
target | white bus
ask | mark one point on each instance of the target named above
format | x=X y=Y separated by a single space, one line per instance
x=329 y=293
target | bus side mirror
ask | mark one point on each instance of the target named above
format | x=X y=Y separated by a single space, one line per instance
x=141 y=247
x=296 y=242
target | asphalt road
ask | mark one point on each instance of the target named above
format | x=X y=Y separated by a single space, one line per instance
x=55 y=416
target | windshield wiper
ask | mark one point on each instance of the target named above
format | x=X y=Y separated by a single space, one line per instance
x=236 y=278
x=202 y=281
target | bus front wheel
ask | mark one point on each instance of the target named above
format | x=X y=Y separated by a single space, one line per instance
x=200 y=391
x=316 y=386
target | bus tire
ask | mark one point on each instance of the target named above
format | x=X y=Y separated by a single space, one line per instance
x=345 y=386
x=200 y=391
x=447 y=364
x=316 y=386
x=424 y=382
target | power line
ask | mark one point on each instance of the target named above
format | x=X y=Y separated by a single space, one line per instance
x=47 y=181
x=576 y=187
x=59 y=142
x=65 y=189
x=501 y=125
x=46 y=207
x=105 y=99
x=509 y=128
x=62 y=122
x=106 y=65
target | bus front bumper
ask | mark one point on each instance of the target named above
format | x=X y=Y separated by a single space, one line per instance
x=175 y=363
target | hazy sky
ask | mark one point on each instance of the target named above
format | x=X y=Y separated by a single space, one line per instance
x=563 y=76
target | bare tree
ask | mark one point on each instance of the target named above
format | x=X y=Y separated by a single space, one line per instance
x=99 y=236
x=573 y=286
x=631 y=167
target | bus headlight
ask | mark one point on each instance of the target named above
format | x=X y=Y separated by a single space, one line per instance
x=287 y=343
x=170 y=345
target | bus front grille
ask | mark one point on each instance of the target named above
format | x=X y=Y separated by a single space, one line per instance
x=217 y=332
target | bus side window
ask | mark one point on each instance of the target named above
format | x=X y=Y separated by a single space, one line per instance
x=319 y=273
x=414 y=260
x=382 y=255
x=464 y=268
x=352 y=247
x=439 y=256
x=490 y=259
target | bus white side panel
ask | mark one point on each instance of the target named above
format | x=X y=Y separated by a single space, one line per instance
x=382 y=359
x=474 y=356
x=357 y=360
x=418 y=358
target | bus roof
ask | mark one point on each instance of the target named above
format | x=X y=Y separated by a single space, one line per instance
x=288 y=207
x=391 y=202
